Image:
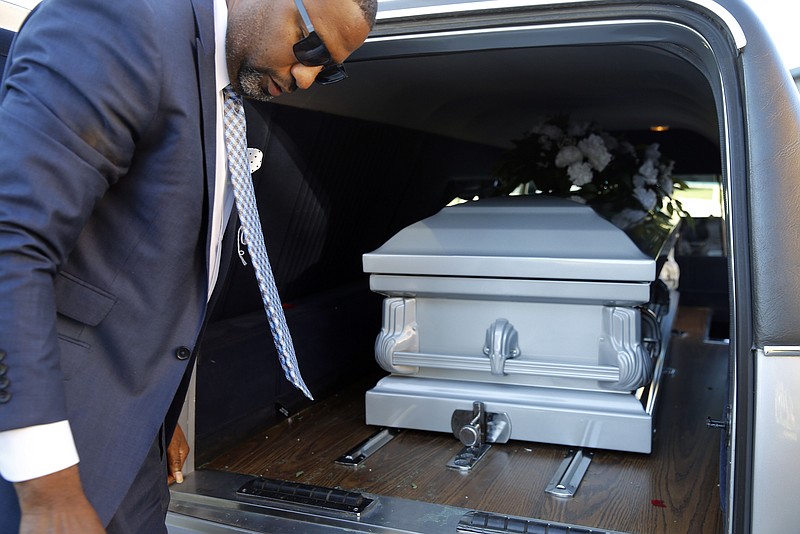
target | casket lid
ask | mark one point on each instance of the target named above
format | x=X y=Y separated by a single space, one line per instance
x=531 y=237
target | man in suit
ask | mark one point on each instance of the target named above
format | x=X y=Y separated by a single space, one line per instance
x=113 y=202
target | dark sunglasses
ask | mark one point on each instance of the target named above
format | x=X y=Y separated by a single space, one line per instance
x=311 y=52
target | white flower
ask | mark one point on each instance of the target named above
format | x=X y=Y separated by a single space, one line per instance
x=650 y=172
x=568 y=155
x=580 y=173
x=667 y=185
x=628 y=217
x=624 y=174
x=652 y=152
x=595 y=151
x=646 y=197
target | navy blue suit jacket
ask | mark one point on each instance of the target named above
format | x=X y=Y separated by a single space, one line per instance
x=106 y=161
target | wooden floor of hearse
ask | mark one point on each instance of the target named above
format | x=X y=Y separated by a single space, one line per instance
x=673 y=490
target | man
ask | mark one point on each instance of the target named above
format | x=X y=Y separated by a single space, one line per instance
x=114 y=199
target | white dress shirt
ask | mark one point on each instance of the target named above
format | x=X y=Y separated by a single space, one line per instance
x=223 y=192
x=32 y=452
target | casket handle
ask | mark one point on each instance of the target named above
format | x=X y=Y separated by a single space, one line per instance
x=502 y=343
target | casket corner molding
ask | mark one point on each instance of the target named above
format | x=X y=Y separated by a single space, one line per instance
x=620 y=346
x=398 y=334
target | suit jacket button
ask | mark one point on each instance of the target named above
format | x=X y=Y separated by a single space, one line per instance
x=2 y=354
x=183 y=353
x=4 y=383
x=5 y=396
x=3 y=369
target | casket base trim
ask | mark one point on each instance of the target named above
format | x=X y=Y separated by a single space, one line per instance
x=592 y=419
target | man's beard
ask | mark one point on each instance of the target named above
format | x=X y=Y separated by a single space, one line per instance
x=250 y=81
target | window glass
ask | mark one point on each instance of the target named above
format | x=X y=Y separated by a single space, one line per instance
x=702 y=197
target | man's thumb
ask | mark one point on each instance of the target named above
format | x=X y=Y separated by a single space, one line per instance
x=175 y=466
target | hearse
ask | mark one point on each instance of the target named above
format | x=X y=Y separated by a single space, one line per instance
x=489 y=358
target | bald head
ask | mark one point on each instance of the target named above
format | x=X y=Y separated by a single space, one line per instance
x=262 y=33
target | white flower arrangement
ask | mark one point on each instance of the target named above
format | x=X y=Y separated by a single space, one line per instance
x=624 y=183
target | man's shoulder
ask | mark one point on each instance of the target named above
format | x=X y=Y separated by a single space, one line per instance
x=129 y=29
x=122 y=14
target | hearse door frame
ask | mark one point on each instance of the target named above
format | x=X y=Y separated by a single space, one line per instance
x=708 y=36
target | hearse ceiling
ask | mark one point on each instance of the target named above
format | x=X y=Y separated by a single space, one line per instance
x=494 y=96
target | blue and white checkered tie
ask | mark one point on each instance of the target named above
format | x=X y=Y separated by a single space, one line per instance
x=239 y=166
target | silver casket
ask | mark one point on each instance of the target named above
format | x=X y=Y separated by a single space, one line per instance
x=536 y=307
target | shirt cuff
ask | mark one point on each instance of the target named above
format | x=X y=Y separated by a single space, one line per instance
x=36 y=451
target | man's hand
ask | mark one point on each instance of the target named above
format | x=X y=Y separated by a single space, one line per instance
x=177 y=452
x=55 y=503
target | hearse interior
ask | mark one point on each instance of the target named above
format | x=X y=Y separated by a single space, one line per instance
x=421 y=123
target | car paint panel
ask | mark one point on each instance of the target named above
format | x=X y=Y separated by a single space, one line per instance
x=777 y=442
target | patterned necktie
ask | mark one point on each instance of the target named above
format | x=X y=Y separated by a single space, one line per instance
x=239 y=167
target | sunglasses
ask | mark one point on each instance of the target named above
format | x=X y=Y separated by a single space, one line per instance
x=312 y=52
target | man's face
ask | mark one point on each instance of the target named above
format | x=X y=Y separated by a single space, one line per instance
x=261 y=33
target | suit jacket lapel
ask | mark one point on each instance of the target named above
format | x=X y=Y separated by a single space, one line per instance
x=204 y=25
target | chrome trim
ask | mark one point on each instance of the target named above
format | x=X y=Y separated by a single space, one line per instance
x=528 y=27
x=782 y=350
x=482 y=5
x=207 y=503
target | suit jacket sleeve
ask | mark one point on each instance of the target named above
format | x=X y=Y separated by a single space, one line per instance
x=81 y=85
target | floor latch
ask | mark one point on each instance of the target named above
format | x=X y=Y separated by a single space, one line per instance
x=477 y=430
x=570 y=473
x=369 y=446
